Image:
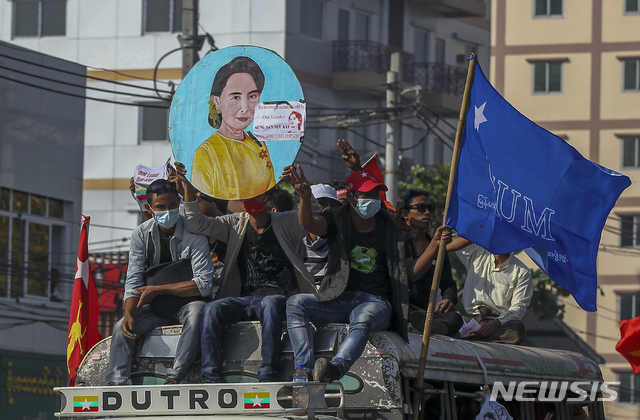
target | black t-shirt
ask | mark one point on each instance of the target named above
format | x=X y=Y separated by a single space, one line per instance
x=367 y=258
x=264 y=267
x=165 y=249
x=420 y=290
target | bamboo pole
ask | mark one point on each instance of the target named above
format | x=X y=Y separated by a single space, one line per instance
x=435 y=284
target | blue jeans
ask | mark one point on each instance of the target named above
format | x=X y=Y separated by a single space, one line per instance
x=364 y=312
x=146 y=320
x=269 y=310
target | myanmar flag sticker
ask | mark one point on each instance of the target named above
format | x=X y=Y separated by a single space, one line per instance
x=85 y=403
x=255 y=400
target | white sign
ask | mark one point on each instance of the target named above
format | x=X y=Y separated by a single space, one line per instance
x=143 y=176
x=282 y=121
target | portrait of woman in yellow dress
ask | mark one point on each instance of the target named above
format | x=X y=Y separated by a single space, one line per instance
x=231 y=164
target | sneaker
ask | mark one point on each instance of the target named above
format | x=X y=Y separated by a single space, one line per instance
x=324 y=371
x=171 y=381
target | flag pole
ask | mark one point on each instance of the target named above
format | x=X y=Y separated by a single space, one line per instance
x=435 y=284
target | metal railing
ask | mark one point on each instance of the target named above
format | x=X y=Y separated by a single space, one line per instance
x=440 y=78
x=352 y=56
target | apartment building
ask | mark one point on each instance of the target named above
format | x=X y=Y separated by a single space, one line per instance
x=41 y=148
x=573 y=66
x=339 y=49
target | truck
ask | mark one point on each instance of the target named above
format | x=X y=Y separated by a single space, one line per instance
x=459 y=377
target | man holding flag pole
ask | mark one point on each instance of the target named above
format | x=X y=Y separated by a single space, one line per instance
x=83 y=319
x=513 y=185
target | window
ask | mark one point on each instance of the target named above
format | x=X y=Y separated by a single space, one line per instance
x=548 y=8
x=362 y=27
x=154 y=122
x=440 y=50
x=343 y=25
x=38 y=18
x=421 y=45
x=631 y=74
x=547 y=77
x=631 y=152
x=630 y=231
x=30 y=244
x=311 y=18
x=629 y=390
x=162 y=16
x=628 y=306
x=632 y=6
x=463 y=51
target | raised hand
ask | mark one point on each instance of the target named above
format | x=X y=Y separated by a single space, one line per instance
x=350 y=157
x=299 y=181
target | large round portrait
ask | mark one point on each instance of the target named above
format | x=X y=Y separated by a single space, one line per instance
x=236 y=120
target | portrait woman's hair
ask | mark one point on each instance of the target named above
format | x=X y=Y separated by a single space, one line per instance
x=298 y=118
x=237 y=65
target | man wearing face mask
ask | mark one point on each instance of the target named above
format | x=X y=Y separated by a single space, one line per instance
x=162 y=239
x=263 y=267
x=366 y=281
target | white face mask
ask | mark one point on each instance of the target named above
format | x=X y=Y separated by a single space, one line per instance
x=367 y=207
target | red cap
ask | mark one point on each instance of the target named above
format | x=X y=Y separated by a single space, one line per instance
x=341 y=192
x=364 y=181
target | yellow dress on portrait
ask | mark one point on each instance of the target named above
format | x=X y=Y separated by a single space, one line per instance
x=232 y=169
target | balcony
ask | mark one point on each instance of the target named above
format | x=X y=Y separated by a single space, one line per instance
x=442 y=86
x=454 y=8
x=363 y=65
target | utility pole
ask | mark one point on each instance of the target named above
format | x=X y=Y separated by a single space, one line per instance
x=189 y=40
x=393 y=130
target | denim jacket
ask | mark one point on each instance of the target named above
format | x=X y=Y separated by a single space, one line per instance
x=183 y=245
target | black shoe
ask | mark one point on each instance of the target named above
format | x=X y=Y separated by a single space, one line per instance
x=324 y=371
x=417 y=320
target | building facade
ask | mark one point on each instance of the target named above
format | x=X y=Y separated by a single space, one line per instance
x=573 y=67
x=340 y=50
x=41 y=158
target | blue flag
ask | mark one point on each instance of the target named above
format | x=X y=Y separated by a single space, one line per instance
x=518 y=186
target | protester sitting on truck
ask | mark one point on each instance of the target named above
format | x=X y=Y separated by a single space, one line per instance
x=263 y=267
x=415 y=209
x=162 y=239
x=366 y=284
x=497 y=292
x=317 y=248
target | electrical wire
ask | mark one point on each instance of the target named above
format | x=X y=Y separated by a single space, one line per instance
x=76 y=85
x=142 y=104
x=84 y=76
x=127 y=75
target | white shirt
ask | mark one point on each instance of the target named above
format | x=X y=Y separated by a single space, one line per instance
x=506 y=289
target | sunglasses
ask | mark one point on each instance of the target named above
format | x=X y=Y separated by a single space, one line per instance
x=161 y=187
x=423 y=207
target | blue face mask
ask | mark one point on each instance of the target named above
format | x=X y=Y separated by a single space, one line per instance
x=167 y=218
x=367 y=207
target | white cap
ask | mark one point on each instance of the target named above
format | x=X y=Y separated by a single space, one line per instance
x=324 y=191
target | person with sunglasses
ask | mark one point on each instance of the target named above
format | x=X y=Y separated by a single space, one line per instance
x=161 y=240
x=263 y=267
x=415 y=209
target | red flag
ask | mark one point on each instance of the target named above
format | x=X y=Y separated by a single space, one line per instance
x=372 y=165
x=83 y=320
x=629 y=344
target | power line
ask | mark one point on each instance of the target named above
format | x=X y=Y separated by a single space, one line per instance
x=76 y=85
x=79 y=74
x=147 y=105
